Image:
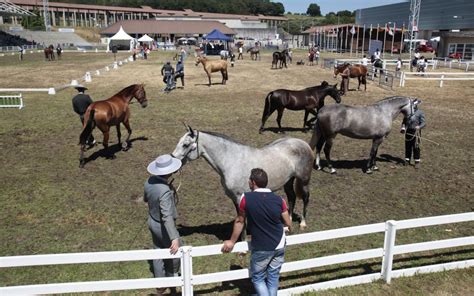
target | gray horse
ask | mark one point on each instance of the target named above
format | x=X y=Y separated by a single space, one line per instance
x=287 y=161
x=369 y=122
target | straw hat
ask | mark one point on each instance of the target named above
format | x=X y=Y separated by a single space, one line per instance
x=164 y=165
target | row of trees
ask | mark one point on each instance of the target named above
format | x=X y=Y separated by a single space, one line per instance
x=265 y=7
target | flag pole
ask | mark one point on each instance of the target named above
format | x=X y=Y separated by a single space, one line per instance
x=352 y=37
x=370 y=39
x=384 y=40
x=363 y=40
x=393 y=36
x=357 y=41
x=347 y=33
x=401 y=38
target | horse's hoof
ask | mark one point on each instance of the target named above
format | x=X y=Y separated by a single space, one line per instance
x=332 y=171
x=369 y=171
x=375 y=168
x=81 y=164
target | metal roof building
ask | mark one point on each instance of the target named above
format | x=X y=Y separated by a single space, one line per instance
x=452 y=20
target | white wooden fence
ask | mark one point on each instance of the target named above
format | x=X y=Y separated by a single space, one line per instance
x=187 y=279
x=11 y=101
x=437 y=76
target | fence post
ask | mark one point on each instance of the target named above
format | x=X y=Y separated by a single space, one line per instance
x=441 y=81
x=388 y=249
x=186 y=271
x=88 y=77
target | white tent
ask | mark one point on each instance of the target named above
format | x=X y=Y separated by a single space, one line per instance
x=121 y=38
x=145 y=38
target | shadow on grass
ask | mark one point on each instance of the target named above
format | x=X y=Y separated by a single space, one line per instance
x=277 y=130
x=222 y=231
x=361 y=163
x=112 y=150
x=207 y=84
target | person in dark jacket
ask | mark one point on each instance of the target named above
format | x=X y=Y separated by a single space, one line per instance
x=161 y=199
x=411 y=127
x=80 y=102
x=179 y=72
x=166 y=71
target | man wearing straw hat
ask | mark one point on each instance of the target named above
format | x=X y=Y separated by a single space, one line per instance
x=161 y=198
x=80 y=102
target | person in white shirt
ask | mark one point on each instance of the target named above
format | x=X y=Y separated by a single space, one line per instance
x=365 y=61
x=399 y=65
x=377 y=54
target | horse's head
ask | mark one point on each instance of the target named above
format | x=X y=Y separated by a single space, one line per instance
x=409 y=107
x=199 y=59
x=140 y=95
x=187 y=147
x=333 y=92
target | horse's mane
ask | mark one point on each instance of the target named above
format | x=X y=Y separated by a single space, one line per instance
x=390 y=100
x=219 y=135
x=126 y=91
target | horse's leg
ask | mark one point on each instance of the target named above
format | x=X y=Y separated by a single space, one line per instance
x=373 y=154
x=306 y=113
x=280 y=115
x=119 y=135
x=360 y=81
x=223 y=77
x=209 y=77
x=302 y=191
x=81 y=158
x=291 y=195
x=319 y=146
x=267 y=112
x=106 y=132
x=126 y=144
x=327 y=153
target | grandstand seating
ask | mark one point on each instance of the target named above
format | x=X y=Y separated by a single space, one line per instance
x=66 y=39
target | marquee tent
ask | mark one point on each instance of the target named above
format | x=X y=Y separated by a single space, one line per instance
x=145 y=38
x=217 y=35
x=121 y=39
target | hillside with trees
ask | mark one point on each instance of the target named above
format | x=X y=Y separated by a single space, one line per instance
x=235 y=7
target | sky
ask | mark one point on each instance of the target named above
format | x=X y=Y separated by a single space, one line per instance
x=333 y=5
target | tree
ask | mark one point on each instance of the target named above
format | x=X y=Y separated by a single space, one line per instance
x=314 y=10
x=344 y=13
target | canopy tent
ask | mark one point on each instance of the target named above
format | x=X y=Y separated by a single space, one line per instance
x=121 y=38
x=145 y=38
x=217 y=35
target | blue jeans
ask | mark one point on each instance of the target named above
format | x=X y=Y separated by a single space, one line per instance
x=265 y=271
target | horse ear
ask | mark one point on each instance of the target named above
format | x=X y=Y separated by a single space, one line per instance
x=191 y=131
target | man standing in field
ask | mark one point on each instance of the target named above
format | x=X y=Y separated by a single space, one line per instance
x=411 y=127
x=266 y=214
x=80 y=102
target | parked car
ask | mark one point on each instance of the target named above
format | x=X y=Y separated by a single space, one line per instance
x=455 y=55
x=427 y=47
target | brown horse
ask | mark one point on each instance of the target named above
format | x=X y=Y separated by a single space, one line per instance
x=49 y=53
x=213 y=66
x=113 y=111
x=309 y=99
x=353 y=71
x=254 y=53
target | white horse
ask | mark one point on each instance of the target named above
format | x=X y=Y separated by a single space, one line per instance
x=224 y=54
x=287 y=161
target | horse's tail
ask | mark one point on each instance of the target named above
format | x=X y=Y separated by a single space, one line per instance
x=268 y=104
x=87 y=130
x=317 y=135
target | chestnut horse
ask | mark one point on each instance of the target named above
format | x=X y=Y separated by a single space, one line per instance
x=354 y=71
x=309 y=99
x=49 y=53
x=213 y=66
x=113 y=111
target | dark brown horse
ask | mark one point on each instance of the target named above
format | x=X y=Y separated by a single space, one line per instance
x=113 y=111
x=352 y=71
x=213 y=66
x=280 y=56
x=49 y=53
x=309 y=99
x=254 y=53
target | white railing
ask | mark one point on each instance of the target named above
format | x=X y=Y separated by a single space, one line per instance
x=438 y=76
x=455 y=63
x=187 y=279
x=11 y=101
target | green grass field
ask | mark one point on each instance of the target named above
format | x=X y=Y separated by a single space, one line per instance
x=49 y=205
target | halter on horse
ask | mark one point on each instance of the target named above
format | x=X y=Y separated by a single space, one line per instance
x=309 y=99
x=213 y=66
x=369 y=122
x=288 y=163
x=112 y=111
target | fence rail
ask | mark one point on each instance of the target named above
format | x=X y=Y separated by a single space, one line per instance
x=436 y=76
x=187 y=280
x=11 y=101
